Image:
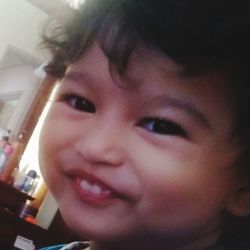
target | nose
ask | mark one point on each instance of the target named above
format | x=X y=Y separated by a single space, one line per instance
x=101 y=144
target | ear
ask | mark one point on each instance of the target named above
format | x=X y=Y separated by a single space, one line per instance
x=239 y=202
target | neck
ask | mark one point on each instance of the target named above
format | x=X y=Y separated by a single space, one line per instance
x=207 y=242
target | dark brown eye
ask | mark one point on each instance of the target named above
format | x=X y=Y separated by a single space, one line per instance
x=80 y=103
x=164 y=127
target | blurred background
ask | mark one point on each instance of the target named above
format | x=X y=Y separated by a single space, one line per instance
x=26 y=207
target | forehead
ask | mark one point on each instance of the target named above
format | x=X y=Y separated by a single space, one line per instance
x=152 y=71
x=148 y=67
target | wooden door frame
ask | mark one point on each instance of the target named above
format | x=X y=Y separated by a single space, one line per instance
x=32 y=115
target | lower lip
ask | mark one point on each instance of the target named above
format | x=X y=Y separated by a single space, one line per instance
x=99 y=200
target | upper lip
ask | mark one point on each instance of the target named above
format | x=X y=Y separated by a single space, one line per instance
x=82 y=174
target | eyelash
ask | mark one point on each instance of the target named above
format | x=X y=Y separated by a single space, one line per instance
x=151 y=124
x=163 y=127
x=79 y=103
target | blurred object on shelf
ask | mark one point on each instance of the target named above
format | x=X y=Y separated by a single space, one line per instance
x=12 y=161
x=11 y=198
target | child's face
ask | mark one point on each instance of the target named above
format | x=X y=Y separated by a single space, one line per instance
x=145 y=154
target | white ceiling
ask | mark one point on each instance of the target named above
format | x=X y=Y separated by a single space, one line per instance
x=54 y=8
x=14 y=57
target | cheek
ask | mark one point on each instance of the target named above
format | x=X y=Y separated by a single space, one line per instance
x=165 y=185
x=178 y=204
x=166 y=205
x=184 y=185
x=165 y=190
x=55 y=133
x=57 y=136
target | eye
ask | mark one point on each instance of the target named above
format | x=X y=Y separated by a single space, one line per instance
x=161 y=126
x=80 y=103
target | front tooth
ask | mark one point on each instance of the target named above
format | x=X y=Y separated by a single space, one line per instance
x=96 y=189
x=85 y=185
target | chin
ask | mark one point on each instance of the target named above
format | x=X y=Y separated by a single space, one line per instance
x=88 y=227
x=102 y=232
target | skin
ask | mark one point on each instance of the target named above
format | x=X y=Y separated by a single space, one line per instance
x=159 y=139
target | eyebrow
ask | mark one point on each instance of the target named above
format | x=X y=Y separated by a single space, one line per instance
x=163 y=100
x=185 y=106
x=78 y=77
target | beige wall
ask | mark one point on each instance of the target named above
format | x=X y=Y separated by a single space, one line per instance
x=21 y=25
x=20 y=28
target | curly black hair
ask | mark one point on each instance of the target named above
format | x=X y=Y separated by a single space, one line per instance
x=204 y=34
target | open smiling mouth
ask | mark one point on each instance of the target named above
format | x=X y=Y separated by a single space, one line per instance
x=94 y=191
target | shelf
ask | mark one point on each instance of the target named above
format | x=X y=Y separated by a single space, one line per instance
x=12 y=198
